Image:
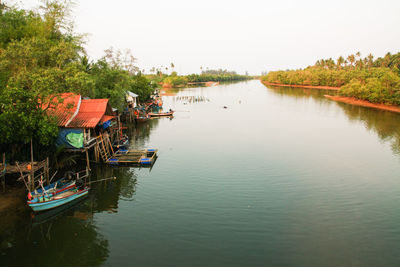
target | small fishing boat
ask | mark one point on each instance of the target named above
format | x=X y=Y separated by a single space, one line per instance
x=54 y=188
x=47 y=201
x=122 y=143
x=169 y=113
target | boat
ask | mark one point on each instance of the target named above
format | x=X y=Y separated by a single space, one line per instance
x=169 y=113
x=122 y=143
x=53 y=188
x=50 y=201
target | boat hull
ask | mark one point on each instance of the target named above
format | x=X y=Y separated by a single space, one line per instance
x=161 y=114
x=54 y=203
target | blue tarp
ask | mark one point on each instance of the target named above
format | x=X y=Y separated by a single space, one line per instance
x=106 y=124
x=62 y=139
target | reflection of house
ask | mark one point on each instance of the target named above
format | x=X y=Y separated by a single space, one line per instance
x=78 y=118
x=131 y=98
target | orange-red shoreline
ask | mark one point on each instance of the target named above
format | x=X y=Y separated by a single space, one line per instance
x=363 y=103
x=303 y=86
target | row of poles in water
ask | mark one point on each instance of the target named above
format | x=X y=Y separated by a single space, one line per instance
x=191 y=99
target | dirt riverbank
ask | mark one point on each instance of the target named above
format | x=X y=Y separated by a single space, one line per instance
x=363 y=103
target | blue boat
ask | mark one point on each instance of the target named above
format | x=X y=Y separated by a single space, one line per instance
x=53 y=188
x=46 y=202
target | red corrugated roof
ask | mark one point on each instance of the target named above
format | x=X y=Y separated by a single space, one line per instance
x=63 y=107
x=90 y=113
x=106 y=118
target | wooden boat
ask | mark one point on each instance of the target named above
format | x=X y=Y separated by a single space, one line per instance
x=122 y=143
x=63 y=184
x=169 y=113
x=53 y=188
x=46 y=202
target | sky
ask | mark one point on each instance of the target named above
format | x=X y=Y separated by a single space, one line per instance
x=254 y=36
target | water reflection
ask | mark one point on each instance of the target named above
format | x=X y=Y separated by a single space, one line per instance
x=54 y=239
x=139 y=135
x=316 y=94
x=384 y=123
x=67 y=235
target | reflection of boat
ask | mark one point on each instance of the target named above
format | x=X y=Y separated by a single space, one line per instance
x=45 y=216
x=143 y=119
x=46 y=202
x=169 y=113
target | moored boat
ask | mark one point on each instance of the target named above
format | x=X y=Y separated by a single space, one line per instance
x=169 y=113
x=46 y=202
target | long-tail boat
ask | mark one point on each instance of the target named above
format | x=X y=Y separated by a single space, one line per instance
x=50 y=201
x=168 y=113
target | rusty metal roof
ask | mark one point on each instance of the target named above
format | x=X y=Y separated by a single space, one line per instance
x=90 y=113
x=106 y=118
x=63 y=107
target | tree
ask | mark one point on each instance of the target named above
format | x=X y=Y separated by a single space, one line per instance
x=351 y=59
x=340 y=62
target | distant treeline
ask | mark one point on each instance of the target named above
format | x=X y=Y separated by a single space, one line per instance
x=40 y=55
x=205 y=76
x=377 y=81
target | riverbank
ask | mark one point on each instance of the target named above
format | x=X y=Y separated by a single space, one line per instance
x=363 y=103
x=343 y=99
x=302 y=86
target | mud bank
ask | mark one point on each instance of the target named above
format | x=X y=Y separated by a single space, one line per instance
x=363 y=103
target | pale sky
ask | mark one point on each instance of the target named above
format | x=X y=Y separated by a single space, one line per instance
x=250 y=35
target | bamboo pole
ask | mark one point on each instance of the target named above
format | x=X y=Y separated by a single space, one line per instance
x=3 y=175
x=87 y=159
x=31 y=177
x=46 y=171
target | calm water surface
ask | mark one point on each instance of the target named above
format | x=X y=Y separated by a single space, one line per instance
x=280 y=177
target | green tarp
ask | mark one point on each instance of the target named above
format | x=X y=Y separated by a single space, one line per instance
x=75 y=139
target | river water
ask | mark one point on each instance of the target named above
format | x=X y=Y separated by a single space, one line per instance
x=281 y=176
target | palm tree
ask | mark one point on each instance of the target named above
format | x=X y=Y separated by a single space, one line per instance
x=340 y=61
x=370 y=60
x=351 y=59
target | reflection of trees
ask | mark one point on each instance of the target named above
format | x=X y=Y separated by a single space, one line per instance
x=139 y=136
x=69 y=239
x=67 y=235
x=384 y=123
x=106 y=194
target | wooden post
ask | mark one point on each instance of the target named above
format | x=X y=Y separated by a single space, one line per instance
x=30 y=183
x=87 y=159
x=31 y=177
x=3 y=175
x=46 y=171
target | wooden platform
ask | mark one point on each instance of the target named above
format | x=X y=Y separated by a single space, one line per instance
x=104 y=148
x=24 y=167
x=145 y=157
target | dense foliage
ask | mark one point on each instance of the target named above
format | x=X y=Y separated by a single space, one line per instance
x=377 y=81
x=41 y=56
x=205 y=76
